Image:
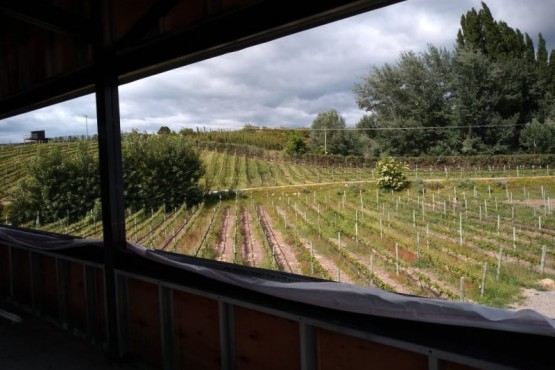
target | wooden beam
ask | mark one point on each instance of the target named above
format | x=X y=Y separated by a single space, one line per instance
x=52 y=18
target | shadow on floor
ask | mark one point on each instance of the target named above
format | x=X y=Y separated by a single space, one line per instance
x=34 y=343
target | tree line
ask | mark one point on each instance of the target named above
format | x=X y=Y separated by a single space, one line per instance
x=493 y=94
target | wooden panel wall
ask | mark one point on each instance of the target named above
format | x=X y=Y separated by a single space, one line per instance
x=47 y=295
x=76 y=301
x=145 y=342
x=337 y=351
x=98 y=315
x=197 y=330
x=4 y=271
x=266 y=342
x=21 y=278
x=261 y=340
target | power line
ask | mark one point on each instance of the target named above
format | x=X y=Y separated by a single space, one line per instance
x=263 y=128
x=394 y=128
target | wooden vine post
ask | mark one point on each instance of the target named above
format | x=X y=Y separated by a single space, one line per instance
x=462 y=288
x=372 y=269
x=484 y=272
x=544 y=254
x=499 y=260
x=397 y=258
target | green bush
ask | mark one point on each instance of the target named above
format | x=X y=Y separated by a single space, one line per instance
x=391 y=174
x=59 y=186
x=466 y=184
x=157 y=170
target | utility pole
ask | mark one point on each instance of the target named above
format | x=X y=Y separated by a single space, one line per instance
x=87 y=125
x=325 y=140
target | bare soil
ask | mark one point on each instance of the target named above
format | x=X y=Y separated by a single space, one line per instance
x=253 y=251
x=285 y=255
x=224 y=248
x=535 y=203
x=327 y=264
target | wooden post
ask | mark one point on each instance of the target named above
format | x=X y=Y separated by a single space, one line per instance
x=417 y=246
x=499 y=260
x=372 y=269
x=397 y=258
x=427 y=236
x=460 y=229
x=544 y=253
x=462 y=288
x=484 y=272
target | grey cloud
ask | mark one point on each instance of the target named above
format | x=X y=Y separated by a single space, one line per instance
x=287 y=82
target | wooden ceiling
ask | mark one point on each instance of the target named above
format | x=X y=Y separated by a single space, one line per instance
x=51 y=50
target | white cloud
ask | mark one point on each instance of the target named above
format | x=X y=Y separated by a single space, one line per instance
x=286 y=82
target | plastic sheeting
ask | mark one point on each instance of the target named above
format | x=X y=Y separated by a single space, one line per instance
x=337 y=296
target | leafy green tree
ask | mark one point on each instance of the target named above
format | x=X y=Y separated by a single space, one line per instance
x=481 y=33
x=538 y=137
x=328 y=134
x=164 y=130
x=524 y=90
x=59 y=186
x=157 y=170
x=409 y=101
x=368 y=137
x=296 y=146
x=160 y=169
x=475 y=100
x=551 y=73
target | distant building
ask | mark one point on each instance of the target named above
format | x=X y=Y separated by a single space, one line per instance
x=37 y=136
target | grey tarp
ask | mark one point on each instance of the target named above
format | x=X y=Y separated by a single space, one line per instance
x=338 y=296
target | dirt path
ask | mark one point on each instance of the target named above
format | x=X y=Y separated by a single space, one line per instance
x=373 y=181
x=540 y=301
x=224 y=249
x=253 y=251
x=284 y=254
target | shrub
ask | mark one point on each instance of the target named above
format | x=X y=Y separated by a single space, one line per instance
x=420 y=187
x=466 y=184
x=391 y=174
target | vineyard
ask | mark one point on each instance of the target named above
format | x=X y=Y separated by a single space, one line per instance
x=332 y=222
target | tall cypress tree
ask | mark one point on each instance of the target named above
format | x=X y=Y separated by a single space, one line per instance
x=551 y=72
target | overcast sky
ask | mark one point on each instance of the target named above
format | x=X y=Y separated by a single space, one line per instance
x=286 y=82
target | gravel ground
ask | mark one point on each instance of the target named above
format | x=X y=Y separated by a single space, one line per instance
x=540 y=301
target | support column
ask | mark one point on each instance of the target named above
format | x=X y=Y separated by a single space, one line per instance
x=111 y=188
